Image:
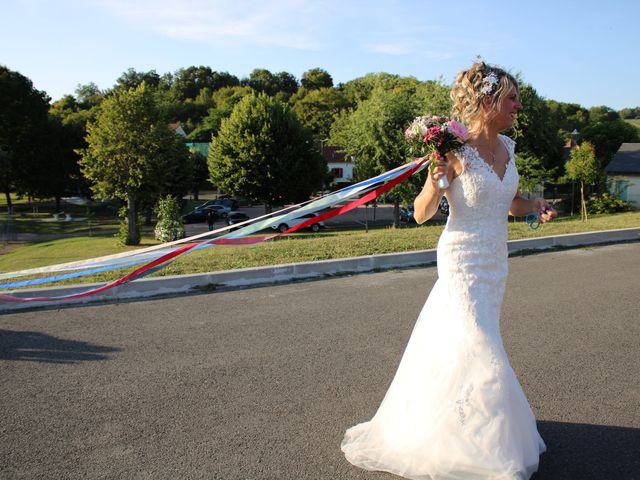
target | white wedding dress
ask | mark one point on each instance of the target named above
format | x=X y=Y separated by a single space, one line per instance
x=455 y=409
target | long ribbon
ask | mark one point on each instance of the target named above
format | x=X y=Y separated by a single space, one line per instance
x=233 y=238
x=256 y=224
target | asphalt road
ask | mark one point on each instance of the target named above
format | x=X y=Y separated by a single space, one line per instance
x=261 y=383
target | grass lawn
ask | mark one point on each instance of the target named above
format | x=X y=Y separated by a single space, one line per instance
x=61 y=251
x=36 y=216
x=41 y=223
x=302 y=247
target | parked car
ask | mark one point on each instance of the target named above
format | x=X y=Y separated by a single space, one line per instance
x=199 y=215
x=236 y=217
x=406 y=215
x=283 y=227
x=230 y=203
x=444 y=206
x=220 y=209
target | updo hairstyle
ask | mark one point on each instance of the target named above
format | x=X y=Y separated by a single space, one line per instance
x=471 y=86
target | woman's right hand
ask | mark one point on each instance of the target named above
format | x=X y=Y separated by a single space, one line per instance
x=441 y=170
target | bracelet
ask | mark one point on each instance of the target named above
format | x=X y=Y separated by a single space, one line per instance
x=533 y=221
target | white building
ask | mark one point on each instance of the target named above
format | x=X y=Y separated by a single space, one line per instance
x=340 y=166
x=624 y=173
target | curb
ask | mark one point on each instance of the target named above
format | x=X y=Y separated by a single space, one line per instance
x=275 y=274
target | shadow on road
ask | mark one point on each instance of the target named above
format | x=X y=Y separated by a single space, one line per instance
x=38 y=347
x=580 y=451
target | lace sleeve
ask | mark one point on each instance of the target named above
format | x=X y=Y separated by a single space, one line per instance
x=510 y=144
x=462 y=154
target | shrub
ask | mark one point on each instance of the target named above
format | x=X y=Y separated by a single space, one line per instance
x=169 y=226
x=607 y=203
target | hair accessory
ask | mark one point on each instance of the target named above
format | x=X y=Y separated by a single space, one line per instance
x=489 y=82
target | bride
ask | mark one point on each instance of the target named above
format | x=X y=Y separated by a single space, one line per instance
x=455 y=409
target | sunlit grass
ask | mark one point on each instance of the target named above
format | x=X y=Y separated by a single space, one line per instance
x=329 y=244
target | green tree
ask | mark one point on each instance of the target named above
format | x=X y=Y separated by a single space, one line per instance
x=23 y=118
x=583 y=167
x=531 y=172
x=629 y=113
x=361 y=88
x=69 y=120
x=6 y=177
x=316 y=78
x=607 y=136
x=76 y=112
x=88 y=96
x=65 y=106
x=188 y=82
x=286 y=83
x=374 y=135
x=261 y=80
x=433 y=97
x=132 y=79
x=317 y=108
x=224 y=100
x=190 y=112
x=200 y=172
x=58 y=173
x=568 y=117
x=536 y=129
x=264 y=154
x=132 y=155
x=603 y=113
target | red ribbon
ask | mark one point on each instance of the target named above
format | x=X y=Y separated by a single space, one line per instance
x=329 y=214
x=226 y=241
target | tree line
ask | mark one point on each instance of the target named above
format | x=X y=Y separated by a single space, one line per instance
x=265 y=132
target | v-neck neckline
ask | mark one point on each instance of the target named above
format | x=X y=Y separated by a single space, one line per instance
x=490 y=167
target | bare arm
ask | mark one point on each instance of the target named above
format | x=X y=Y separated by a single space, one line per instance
x=426 y=203
x=521 y=207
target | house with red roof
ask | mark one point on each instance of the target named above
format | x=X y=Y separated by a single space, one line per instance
x=340 y=165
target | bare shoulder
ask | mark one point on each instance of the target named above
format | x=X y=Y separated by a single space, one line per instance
x=454 y=163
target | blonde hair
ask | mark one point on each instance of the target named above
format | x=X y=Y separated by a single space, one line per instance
x=467 y=94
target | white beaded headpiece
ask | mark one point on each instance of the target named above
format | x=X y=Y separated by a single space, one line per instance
x=489 y=84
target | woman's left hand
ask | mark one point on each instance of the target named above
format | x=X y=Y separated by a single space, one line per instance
x=544 y=209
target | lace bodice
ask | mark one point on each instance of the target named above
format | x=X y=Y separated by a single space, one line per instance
x=479 y=200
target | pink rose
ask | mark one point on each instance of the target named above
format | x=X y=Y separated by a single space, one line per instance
x=431 y=133
x=459 y=130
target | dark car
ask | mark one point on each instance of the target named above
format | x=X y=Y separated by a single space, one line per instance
x=229 y=203
x=199 y=215
x=236 y=217
x=406 y=215
x=221 y=210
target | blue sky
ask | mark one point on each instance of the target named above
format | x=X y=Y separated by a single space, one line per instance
x=574 y=51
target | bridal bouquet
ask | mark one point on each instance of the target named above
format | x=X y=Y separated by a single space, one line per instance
x=436 y=136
